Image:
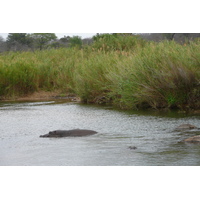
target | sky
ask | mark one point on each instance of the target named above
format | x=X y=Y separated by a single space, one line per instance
x=86 y=18
x=60 y=35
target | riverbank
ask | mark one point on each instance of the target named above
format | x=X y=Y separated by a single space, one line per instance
x=44 y=95
x=59 y=96
x=146 y=75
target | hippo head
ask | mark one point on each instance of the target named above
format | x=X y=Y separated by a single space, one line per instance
x=54 y=134
x=51 y=134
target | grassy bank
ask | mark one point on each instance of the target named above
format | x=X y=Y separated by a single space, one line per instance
x=146 y=74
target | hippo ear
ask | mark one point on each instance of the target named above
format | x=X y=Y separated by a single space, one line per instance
x=52 y=132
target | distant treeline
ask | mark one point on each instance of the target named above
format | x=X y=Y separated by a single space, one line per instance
x=35 y=41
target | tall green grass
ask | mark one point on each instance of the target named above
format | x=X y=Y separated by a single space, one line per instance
x=26 y=72
x=160 y=75
x=129 y=73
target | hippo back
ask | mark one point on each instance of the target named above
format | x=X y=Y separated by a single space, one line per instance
x=78 y=132
x=69 y=133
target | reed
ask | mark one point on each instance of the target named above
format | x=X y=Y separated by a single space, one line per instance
x=160 y=75
x=90 y=75
x=129 y=73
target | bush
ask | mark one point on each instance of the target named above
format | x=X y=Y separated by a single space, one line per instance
x=113 y=42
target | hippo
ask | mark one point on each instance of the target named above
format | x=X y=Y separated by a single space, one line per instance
x=184 y=127
x=194 y=139
x=69 y=133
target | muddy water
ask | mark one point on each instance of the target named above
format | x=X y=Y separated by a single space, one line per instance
x=152 y=133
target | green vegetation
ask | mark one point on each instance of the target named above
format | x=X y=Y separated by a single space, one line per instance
x=124 y=70
x=24 y=41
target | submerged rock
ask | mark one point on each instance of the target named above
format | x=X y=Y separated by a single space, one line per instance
x=132 y=147
x=194 y=139
x=184 y=127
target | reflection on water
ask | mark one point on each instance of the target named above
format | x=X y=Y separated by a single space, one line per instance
x=151 y=132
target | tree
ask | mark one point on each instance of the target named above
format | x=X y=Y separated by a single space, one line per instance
x=87 y=41
x=18 y=41
x=65 y=39
x=108 y=36
x=75 y=41
x=2 y=44
x=181 y=38
x=100 y=36
x=156 y=37
x=42 y=39
x=17 y=37
x=169 y=36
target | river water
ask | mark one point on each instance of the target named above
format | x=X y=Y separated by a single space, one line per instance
x=21 y=124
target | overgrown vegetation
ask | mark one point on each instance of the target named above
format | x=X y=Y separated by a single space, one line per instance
x=124 y=70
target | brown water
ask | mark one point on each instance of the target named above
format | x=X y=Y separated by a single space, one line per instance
x=152 y=133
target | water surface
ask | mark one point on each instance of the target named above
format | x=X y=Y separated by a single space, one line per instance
x=152 y=133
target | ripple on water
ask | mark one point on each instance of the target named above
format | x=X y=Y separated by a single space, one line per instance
x=157 y=144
